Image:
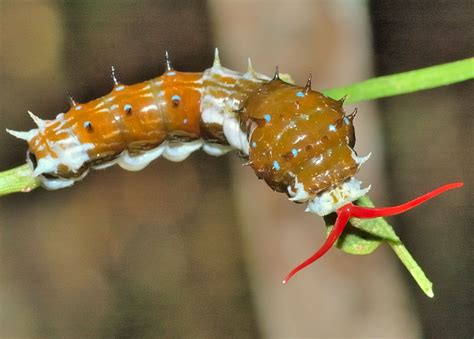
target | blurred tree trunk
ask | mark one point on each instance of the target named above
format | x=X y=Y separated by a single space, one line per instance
x=341 y=295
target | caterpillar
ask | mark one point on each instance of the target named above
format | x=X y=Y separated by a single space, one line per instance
x=299 y=141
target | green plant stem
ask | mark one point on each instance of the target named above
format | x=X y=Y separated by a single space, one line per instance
x=18 y=179
x=407 y=82
x=381 y=228
x=415 y=270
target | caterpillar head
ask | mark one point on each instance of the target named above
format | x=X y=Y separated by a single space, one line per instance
x=301 y=143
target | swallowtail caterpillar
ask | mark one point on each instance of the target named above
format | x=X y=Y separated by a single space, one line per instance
x=298 y=140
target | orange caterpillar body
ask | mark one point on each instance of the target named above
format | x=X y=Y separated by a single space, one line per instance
x=173 y=115
x=296 y=139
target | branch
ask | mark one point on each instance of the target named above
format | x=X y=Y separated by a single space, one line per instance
x=18 y=179
x=407 y=82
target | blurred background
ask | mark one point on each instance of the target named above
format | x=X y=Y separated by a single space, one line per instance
x=199 y=248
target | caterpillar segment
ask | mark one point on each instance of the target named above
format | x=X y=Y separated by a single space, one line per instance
x=296 y=139
x=172 y=116
x=301 y=144
x=302 y=141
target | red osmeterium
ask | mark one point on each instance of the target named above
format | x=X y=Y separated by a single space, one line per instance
x=350 y=210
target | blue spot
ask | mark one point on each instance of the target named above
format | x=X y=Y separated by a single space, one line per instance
x=267 y=117
x=332 y=128
x=254 y=144
x=276 y=165
x=171 y=74
x=176 y=98
x=127 y=107
x=78 y=107
x=294 y=151
x=346 y=121
x=300 y=94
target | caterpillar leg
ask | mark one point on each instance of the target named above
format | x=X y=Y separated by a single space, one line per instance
x=350 y=210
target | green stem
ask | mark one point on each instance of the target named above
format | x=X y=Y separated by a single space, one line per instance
x=18 y=179
x=416 y=272
x=381 y=229
x=407 y=82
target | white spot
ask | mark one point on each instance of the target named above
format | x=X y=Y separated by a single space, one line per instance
x=56 y=183
x=234 y=135
x=119 y=88
x=212 y=110
x=324 y=204
x=317 y=160
x=216 y=149
x=105 y=164
x=138 y=162
x=300 y=138
x=149 y=107
x=298 y=194
x=178 y=151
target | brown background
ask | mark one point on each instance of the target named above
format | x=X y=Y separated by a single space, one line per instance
x=198 y=248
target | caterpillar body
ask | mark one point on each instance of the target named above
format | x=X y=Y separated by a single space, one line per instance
x=296 y=139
